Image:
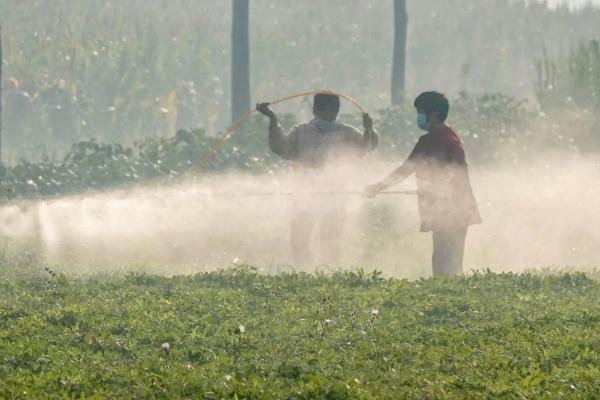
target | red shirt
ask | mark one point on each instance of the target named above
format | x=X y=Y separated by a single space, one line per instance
x=446 y=199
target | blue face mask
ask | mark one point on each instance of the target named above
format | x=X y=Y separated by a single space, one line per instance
x=324 y=125
x=422 y=121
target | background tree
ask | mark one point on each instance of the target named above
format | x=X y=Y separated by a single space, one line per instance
x=399 y=61
x=240 y=59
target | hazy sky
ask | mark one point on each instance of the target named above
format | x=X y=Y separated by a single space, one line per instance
x=574 y=3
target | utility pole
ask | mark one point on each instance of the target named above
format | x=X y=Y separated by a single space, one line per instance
x=1 y=85
x=399 y=60
x=240 y=58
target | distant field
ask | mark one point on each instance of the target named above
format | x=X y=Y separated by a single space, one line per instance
x=239 y=334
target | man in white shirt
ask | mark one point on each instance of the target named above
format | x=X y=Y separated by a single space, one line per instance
x=313 y=145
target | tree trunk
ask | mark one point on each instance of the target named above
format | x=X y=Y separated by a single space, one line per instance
x=399 y=61
x=240 y=59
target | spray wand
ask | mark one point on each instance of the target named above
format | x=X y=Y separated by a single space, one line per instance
x=222 y=194
x=321 y=193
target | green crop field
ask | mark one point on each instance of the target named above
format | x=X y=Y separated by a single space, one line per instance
x=113 y=184
x=241 y=334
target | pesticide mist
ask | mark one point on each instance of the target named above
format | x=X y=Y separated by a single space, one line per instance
x=540 y=214
x=105 y=95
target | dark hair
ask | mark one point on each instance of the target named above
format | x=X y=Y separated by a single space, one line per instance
x=326 y=103
x=433 y=101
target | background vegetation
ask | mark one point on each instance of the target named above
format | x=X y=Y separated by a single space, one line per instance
x=124 y=71
x=495 y=129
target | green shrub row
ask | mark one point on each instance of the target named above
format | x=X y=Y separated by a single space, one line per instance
x=495 y=128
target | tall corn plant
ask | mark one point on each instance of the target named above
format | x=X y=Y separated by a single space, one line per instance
x=574 y=80
x=568 y=91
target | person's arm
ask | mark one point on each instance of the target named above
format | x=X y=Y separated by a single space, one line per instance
x=455 y=163
x=282 y=144
x=370 y=137
x=397 y=176
x=279 y=143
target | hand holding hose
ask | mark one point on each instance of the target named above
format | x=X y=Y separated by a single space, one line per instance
x=367 y=122
x=264 y=109
x=372 y=190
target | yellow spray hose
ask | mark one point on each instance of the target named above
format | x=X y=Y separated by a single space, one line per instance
x=230 y=130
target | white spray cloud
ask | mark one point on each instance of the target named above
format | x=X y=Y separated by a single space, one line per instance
x=544 y=213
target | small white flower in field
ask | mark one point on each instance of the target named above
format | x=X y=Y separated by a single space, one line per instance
x=32 y=184
x=238 y=330
x=227 y=377
x=328 y=321
x=236 y=261
x=374 y=312
x=166 y=347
